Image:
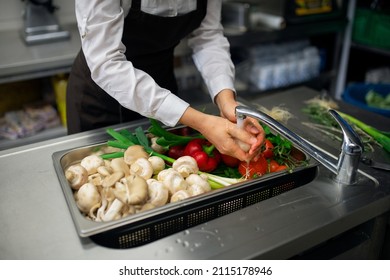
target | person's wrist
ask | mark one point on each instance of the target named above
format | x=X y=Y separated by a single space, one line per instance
x=226 y=102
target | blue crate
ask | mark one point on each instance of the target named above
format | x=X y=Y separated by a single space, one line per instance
x=355 y=95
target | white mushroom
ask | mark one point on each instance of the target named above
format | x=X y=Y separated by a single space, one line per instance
x=128 y=210
x=142 y=167
x=158 y=193
x=114 y=211
x=185 y=165
x=91 y=163
x=133 y=153
x=197 y=184
x=156 y=147
x=131 y=190
x=158 y=164
x=147 y=206
x=104 y=170
x=76 y=175
x=87 y=197
x=109 y=181
x=96 y=179
x=172 y=179
x=119 y=164
x=108 y=197
x=179 y=195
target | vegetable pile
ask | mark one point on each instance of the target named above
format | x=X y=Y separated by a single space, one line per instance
x=376 y=100
x=317 y=109
x=139 y=170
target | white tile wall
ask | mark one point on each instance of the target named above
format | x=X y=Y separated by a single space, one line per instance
x=11 y=13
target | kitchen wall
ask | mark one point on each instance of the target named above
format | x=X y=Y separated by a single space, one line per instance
x=11 y=13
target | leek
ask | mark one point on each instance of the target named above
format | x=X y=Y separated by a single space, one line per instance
x=381 y=138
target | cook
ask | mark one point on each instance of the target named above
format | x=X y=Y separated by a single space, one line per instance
x=124 y=70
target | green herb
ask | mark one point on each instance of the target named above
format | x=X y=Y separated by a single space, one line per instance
x=317 y=110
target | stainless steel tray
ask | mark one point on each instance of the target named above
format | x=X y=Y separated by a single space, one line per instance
x=148 y=226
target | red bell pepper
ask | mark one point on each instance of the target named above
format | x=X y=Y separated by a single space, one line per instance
x=205 y=154
x=176 y=151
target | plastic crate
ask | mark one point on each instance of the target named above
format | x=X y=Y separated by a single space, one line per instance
x=371 y=28
x=355 y=95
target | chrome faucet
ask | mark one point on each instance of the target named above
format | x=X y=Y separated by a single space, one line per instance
x=345 y=168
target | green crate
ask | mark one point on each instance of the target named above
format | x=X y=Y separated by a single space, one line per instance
x=371 y=28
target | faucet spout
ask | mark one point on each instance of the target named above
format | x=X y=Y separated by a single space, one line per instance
x=345 y=168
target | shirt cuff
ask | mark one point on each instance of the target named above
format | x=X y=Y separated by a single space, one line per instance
x=171 y=110
x=219 y=83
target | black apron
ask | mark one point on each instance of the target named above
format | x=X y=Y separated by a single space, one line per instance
x=150 y=41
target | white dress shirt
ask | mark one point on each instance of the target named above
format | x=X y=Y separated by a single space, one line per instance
x=100 y=24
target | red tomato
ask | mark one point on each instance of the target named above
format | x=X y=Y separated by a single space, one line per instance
x=253 y=168
x=268 y=149
x=273 y=165
x=230 y=161
x=281 y=167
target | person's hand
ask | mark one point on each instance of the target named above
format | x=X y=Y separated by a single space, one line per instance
x=226 y=136
x=227 y=104
x=231 y=140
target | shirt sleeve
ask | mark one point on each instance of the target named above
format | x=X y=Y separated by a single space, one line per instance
x=100 y=24
x=211 y=51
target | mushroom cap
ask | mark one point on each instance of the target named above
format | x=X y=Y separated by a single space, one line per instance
x=76 y=175
x=158 y=164
x=91 y=163
x=133 y=153
x=142 y=167
x=180 y=195
x=87 y=197
x=110 y=180
x=158 y=193
x=186 y=165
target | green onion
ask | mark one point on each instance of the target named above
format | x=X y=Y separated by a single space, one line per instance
x=382 y=139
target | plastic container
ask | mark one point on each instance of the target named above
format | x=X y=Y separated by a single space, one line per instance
x=355 y=95
x=371 y=28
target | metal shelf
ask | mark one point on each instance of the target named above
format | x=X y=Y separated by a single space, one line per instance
x=293 y=31
x=40 y=136
x=371 y=49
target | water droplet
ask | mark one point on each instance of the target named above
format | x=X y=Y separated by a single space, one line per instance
x=186 y=232
x=186 y=244
x=178 y=241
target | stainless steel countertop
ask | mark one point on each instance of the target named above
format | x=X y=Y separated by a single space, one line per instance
x=36 y=222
